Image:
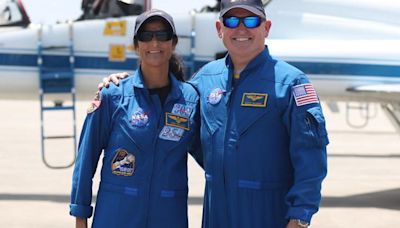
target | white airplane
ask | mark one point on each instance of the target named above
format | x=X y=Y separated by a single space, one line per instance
x=350 y=49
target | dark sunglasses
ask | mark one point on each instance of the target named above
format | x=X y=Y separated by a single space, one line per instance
x=146 y=36
x=248 y=22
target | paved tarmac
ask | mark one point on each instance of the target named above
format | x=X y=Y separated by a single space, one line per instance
x=362 y=189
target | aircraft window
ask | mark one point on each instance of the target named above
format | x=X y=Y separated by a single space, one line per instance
x=9 y=13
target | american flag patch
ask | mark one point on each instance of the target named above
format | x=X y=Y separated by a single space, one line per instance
x=304 y=94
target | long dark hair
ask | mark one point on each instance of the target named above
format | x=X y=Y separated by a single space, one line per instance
x=175 y=62
x=176 y=67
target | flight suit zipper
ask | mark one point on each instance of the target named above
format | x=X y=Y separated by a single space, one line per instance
x=161 y=113
x=227 y=135
x=158 y=111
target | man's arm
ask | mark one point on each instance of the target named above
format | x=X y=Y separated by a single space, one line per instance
x=306 y=125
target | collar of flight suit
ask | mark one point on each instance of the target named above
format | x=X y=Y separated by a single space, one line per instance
x=138 y=82
x=254 y=63
x=252 y=67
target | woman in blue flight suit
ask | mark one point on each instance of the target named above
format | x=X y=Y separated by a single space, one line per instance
x=145 y=127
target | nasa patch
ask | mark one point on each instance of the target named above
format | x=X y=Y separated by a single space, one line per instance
x=139 y=118
x=215 y=96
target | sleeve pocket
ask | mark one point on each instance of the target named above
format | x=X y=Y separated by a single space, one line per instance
x=313 y=127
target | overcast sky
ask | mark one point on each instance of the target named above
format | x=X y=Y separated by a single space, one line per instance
x=51 y=11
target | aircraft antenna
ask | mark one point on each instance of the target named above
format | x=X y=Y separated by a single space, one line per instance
x=147 y=5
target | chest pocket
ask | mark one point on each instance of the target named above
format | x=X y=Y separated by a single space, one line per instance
x=135 y=124
x=178 y=124
x=246 y=117
x=214 y=115
x=251 y=109
x=170 y=137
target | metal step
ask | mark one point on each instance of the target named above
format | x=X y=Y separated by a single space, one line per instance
x=58 y=108
x=60 y=74
x=60 y=137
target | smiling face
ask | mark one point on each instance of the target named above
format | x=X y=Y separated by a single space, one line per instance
x=155 y=53
x=242 y=42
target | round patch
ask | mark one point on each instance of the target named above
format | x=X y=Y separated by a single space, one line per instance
x=215 y=96
x=139 y=118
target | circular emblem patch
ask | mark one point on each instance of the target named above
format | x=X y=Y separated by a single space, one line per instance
x=139 y=118
x=215 y=96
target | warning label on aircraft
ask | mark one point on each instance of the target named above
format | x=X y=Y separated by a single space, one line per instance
x=116 y=53
x=115 y=28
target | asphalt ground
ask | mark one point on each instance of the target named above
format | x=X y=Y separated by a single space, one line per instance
x=362 y=188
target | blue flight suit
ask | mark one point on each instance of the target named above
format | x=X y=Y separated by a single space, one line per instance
x=264 y=155
x=144 y=170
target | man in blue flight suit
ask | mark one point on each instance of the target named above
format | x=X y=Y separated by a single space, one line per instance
x=262 y=130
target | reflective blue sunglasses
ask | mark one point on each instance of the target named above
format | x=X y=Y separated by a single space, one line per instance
x=248 y=22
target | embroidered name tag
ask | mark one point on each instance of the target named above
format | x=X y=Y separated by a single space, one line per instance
x=182 y=110
x=171 y=133
x=176 y=121
x=254 y=99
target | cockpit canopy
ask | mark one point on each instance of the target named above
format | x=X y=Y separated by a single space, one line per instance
x=12 y=13
x=94 y=9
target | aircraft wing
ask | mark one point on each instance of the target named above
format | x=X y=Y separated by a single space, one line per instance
x=377 y=88
x=391 y=93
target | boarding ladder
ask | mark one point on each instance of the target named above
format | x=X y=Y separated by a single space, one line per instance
x=57 y=94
